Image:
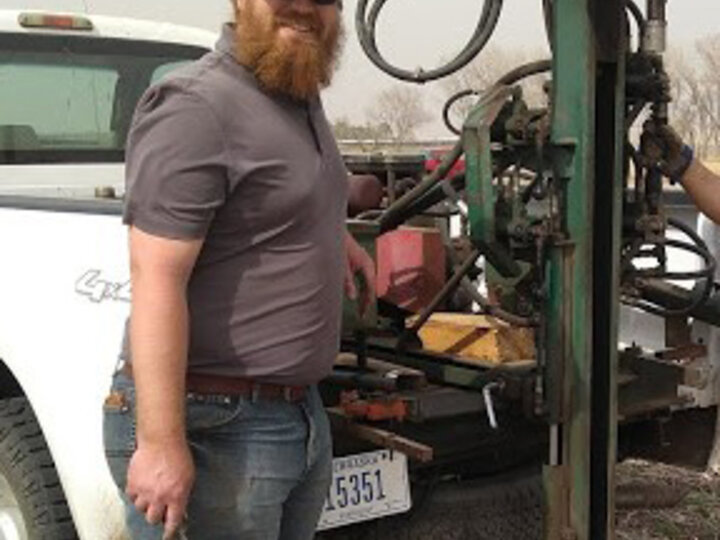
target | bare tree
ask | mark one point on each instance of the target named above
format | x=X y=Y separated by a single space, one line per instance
x=343 y=129
x=695 y=109
x=709 y=51
x=401 y=109
x=484 y=70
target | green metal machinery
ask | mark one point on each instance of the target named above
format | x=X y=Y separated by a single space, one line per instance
x=561 y=207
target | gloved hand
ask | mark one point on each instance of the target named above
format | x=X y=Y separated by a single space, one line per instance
x=661 y=146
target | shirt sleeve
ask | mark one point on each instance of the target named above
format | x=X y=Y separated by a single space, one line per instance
x=176 y=168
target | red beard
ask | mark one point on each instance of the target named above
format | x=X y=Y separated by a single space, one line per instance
x=299 y=67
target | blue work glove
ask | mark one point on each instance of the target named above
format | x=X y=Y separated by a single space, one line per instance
x=663 y=148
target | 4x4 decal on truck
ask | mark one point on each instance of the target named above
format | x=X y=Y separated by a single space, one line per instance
x=96 y=289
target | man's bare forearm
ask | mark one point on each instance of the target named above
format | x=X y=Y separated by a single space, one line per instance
x=159 y=337
x=703 y=186
x=160 y=269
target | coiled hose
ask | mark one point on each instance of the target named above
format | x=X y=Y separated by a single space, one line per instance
x=510 y=78
x=706 y=274
x=365 y=24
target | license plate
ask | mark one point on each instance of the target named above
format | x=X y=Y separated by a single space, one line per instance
x=366 y=486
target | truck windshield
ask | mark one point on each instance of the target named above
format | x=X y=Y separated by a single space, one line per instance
x=71 y=99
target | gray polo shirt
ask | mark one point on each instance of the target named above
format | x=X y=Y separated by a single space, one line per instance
x=259 y=176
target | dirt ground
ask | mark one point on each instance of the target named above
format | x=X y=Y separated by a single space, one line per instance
x=663 y=502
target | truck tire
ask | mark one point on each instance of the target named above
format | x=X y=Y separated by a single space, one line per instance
x=32 y=502
x=506 y=507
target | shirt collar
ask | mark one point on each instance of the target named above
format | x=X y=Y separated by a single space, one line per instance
x=226 y=42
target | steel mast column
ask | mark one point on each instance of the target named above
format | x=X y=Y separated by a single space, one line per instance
x=582 y=315
x=570 y=316
x=611 y=46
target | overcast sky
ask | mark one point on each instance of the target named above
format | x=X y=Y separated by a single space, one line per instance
x=411 y=33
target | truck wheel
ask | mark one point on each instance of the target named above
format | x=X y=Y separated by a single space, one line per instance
x=32 y=502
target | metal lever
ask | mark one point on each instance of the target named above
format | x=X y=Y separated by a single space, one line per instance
x=489 y=407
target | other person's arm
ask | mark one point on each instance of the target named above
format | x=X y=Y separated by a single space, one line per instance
x=703 y=186
x=675 y=159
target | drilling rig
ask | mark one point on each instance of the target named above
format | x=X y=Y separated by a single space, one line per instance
x=570 y=221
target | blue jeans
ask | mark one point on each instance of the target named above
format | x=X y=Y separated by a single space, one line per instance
x=263 y=467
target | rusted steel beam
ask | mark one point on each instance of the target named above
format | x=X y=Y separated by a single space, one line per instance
x=386 y=439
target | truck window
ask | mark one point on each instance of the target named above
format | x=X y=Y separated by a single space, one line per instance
x=67 y=99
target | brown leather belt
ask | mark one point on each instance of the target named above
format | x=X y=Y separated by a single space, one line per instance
x=207 y=384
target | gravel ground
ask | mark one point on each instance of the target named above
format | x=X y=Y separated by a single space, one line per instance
x=690 y=511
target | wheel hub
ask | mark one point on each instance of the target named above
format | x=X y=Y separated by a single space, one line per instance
x=12 y=523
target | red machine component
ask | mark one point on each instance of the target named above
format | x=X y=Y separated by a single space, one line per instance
x=410 y=267
x=383 y=408
x=436 y=155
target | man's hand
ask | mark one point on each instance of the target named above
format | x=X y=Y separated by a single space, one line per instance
x=159 y=480
x=358 y=260
x=663 y=147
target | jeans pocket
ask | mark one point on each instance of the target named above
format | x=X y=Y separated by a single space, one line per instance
x=205 y=412
x=119 y=432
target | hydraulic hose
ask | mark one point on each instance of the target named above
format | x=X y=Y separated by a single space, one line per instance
x=526 y=70
x=450 y=102
x=434 y=195
x=637 y=14
x=397 y=213
x=365 y=25
x=493 y=310
x=548 y=19
x=701 y=249
x=510 y=78
x=706 y=274
x=487 y=308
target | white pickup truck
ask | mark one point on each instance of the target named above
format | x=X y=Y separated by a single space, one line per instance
x=68 y=87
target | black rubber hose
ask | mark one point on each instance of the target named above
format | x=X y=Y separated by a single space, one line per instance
x=365 y=25
x=658 y=293
x=526 y=70
x=487 y=308
x=702 y=250
x=548 y=18
x=396 y=214
x=510 y=78
x=495 y=311
x=685 y=246
x=689 y=232
x=447 y=289
x=634 y=10
x=433 y=196
x=707 y=274
x=450 y=102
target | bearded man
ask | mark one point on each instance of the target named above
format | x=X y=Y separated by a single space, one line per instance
x=236 y=204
